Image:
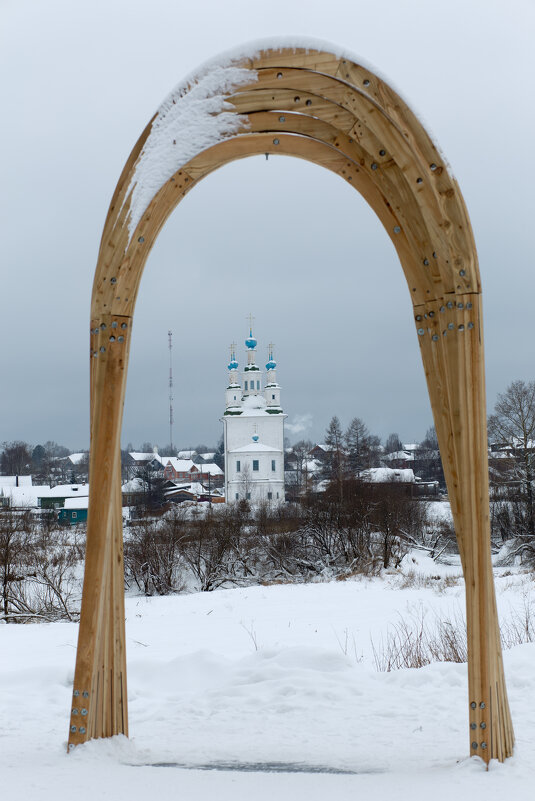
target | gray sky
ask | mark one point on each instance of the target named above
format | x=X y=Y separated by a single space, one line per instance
x=282 y=239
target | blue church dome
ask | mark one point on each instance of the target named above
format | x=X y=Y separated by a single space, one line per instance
x=250 y=342
x=271 y=364
x=233 y=364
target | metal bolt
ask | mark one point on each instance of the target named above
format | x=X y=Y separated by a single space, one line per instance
x=113 y=280
x=483 y=746
x=279 y=74
x=366 y=82
x=483 y=725
x=275 y=141
x=382 y=152
x=73 y=728
x=462 y=272
x=451 y=326
x=83 y=712
x=95 y=353
x=418 y=317
x=112 y=339
x=431 y=313
x=444 y=333
x=468 y=305
x=141 y=239
x=397 y=229
x=102 y=349
x=435 y=337
x=297 y=99
x=434 y=255
x=449 y=304
x=474 y=746
x=76 y=693
x=82 y=730
x=114 y=324
x=470 y=325
x=374 y=165
x=473 y=705
x=426 y=262
x=419 y=180
x=123 y=325
x=120 y=339
x=74 y=711
x=460 y=306
x=473 y=725
x=442 y=308
x=282 y=119
x=103 y=326
x=85 y=694
x=461 y=327
x=308 y=102
x=421 y=332
x=432 y=167
x=482 y=705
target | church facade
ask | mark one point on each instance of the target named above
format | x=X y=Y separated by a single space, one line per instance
x=253 y=429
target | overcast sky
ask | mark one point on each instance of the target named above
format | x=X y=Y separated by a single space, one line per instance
x=283 y=239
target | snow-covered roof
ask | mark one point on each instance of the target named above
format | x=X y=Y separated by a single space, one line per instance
x=15 y=481
x=76 y=503
x=410 y=446
x=134 y=485
x=207 y=456
x=64 y=491
x=382 y=475
x=255 y=447
x=76 y=458
x=185 y=454
x=210 y=468
x=181 y=465
x=147 y=457
x=399 y=456
x=25 y=496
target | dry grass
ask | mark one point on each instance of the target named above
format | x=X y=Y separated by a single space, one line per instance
x=415 y=641
x=413 y=579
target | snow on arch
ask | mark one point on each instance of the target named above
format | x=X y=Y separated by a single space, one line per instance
x=195 y=114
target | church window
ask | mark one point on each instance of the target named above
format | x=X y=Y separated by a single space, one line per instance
x=238 y=466
x=273 y=465
x=255 y=464
x=248 y=496
x=237 y=496
x=270 y=496
x=258 y=384
x=245 y=386
x=273 y=397
x=234 y=397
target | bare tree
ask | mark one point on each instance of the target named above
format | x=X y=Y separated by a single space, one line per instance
x=512 y=429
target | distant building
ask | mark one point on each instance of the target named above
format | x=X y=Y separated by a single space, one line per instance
x=253 y=429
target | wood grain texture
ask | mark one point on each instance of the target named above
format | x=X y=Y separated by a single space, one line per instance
x=335 y=113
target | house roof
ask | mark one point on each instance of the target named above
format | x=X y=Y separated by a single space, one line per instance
x=64 y=491
x=76 y=503
x=180 y=465
x=11 y=481
x=210 y=468
x=383 y=475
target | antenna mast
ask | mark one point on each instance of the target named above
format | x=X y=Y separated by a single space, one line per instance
x=171 y=420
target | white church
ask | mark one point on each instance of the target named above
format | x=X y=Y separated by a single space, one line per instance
x=253 y=427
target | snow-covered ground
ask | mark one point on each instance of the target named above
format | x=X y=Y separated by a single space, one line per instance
x=279 y=680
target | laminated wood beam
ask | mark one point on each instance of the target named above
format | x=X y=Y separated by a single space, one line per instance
x=334 y=112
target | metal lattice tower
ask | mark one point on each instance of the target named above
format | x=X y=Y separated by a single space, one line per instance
x=171 y=419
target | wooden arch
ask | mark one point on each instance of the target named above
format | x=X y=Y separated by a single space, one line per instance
x=326 y=108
